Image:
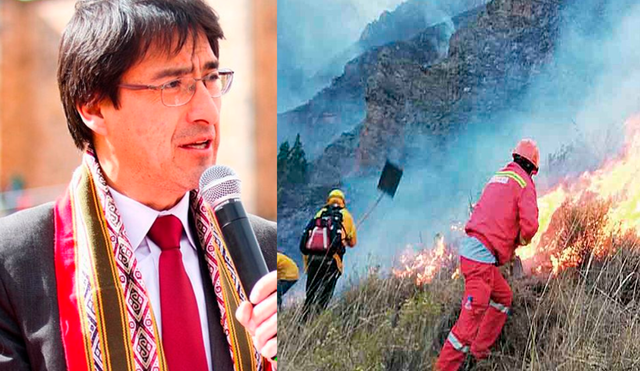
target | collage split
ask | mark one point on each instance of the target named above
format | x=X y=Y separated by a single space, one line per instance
x=390 y=185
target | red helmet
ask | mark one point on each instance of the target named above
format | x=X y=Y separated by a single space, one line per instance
x=528 y=149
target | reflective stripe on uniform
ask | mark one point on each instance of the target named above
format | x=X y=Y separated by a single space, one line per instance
x=513 y=175
x=457 y=345
x=499 y=307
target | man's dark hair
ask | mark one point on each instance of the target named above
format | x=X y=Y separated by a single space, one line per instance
x=107 y=37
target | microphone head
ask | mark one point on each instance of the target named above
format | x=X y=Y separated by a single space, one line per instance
x=218 y=184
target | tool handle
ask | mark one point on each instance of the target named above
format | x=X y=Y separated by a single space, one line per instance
x=366 y=215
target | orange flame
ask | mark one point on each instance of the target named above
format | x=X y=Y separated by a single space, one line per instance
x=614 y=186
x=427 y=264
x=607 y=200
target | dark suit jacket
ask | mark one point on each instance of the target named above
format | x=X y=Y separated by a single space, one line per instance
x=29 y=319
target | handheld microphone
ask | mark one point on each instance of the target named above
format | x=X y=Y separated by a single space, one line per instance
x=220 y=187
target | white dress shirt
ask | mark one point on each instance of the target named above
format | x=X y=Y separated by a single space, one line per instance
x=138 y=219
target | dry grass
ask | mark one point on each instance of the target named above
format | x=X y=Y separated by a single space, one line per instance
x=587 y=318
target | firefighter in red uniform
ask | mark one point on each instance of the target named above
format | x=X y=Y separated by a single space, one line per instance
x=505 y=217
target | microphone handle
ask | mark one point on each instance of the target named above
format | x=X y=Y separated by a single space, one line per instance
x=241 y=243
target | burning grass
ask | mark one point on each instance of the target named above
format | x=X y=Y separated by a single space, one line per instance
x=428 y=264
x=584 y=316
x=604 y=203
x=577 y=233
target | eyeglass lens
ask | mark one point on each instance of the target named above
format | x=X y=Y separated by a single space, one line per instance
x=181 y=91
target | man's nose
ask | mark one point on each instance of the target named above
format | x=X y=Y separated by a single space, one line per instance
x=202 y=106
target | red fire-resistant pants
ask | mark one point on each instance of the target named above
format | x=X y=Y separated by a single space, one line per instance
x=485 y=306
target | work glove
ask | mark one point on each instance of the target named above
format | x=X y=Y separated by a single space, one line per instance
x=522 y=241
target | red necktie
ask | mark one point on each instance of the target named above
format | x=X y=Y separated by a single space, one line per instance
x=181 y=332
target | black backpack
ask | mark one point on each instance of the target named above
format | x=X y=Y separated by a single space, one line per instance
x=323 y=235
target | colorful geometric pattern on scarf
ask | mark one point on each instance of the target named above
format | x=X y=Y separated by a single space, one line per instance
x=106 y=317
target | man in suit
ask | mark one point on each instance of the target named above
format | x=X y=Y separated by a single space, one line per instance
x=128 y=270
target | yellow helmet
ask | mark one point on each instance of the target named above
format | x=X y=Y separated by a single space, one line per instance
x=336 y=193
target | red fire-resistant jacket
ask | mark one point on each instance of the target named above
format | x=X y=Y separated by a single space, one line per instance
x=506 y=214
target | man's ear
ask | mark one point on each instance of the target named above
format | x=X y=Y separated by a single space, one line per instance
x=92 y=116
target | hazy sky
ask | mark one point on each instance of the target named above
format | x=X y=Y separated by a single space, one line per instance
x=335 y=25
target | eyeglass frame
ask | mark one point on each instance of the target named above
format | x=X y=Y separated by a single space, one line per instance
x=222 y=71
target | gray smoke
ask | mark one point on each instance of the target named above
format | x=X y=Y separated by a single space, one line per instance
x=575 y=111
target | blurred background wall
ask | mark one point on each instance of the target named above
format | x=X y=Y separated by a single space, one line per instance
x=37 y=154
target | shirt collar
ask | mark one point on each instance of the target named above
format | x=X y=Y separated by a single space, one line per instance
x=138 y=218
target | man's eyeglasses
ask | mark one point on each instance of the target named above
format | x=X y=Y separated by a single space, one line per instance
x=179 y=92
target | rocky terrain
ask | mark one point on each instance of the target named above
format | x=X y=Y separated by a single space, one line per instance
x=341 y=106
x=490 y=64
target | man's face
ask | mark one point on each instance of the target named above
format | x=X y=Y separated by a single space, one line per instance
x=167 y=148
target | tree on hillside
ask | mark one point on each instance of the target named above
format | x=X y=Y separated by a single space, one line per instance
x=292 y=163
x=297 y=163
x=283 y=154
